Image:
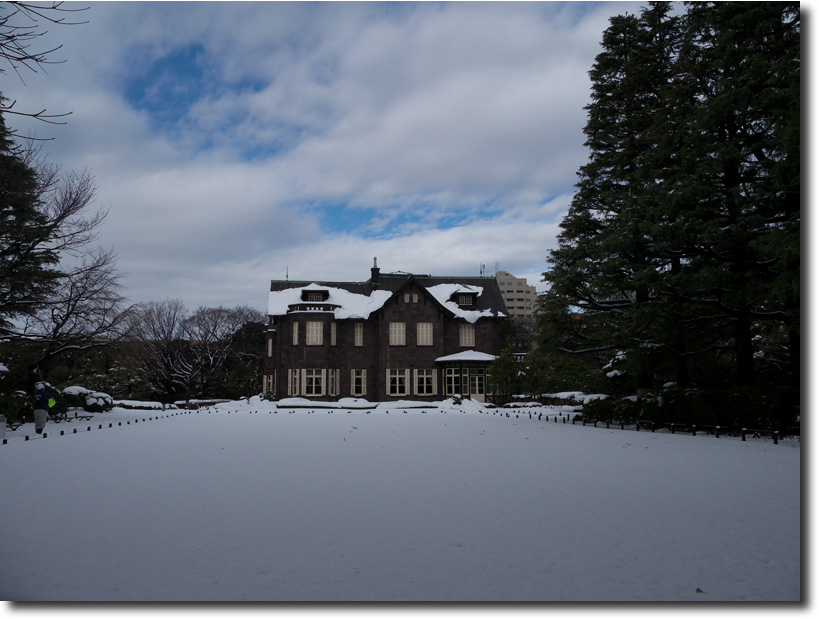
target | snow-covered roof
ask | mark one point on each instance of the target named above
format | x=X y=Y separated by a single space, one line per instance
x=350 y=304
x=361 y=304
x=467 y=355
x=443 y=293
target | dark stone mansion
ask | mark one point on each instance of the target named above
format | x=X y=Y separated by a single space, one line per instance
x=396 y=336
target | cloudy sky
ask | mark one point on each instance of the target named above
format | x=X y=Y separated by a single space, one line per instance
x=236 y=143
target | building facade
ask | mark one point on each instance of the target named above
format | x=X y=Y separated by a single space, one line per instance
x=396 y=336
x=520 y=298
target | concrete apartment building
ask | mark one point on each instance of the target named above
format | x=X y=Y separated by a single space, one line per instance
x=518 y=295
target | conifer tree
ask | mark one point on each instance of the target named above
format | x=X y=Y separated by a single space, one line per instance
x=733 y=189
x=27 y=266
x=684 y=232
x=603 y=264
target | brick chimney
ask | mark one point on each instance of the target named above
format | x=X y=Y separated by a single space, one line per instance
x=375 y=273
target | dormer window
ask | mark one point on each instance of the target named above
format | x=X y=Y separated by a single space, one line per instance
x=315 y=296
x=464 y=296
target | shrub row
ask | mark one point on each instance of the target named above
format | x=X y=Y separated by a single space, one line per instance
x=750 y=407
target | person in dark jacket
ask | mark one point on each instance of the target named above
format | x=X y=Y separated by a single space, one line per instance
x=43 y=401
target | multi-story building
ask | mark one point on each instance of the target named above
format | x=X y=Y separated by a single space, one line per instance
x=520 y=298
x=395 y=336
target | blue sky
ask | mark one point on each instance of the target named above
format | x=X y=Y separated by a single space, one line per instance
x=234 y=142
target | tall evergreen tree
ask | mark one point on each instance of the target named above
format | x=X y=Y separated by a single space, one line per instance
x=28 y=268
x=603 y=264
x=733 y=191
x=684 y=231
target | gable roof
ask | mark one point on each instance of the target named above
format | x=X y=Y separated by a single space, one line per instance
x=360 y=299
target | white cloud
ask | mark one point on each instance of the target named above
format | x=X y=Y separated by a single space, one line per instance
x=456 y=112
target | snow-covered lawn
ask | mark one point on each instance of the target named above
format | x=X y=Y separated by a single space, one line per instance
x=247 y=501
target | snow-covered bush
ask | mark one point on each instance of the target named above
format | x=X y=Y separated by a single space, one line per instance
x=98 y=402
x=92 y=401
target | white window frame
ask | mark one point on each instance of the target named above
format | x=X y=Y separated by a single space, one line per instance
x=314 y=382
x=424 y=333
x=454 y=381
x=333 y=332
x=359 y=334
x=398 y=334
x=466 y=334
x=294 y=382
x=333 y=377
x=465 y=299
x=358 y=375
x=429 y=386
x=314 y=333
x=295 y=334
x=398 y=382
x=477 y=381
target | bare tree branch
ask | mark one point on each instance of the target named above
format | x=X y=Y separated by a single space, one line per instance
x=21 y=26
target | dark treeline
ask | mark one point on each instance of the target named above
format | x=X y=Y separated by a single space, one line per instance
x=679 y=259
x=166 y=354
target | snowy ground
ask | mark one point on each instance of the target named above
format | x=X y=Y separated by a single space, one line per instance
x=254 y=502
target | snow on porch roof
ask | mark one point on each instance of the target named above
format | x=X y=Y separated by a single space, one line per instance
x=467 y=355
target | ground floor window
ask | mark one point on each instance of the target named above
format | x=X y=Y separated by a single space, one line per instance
x=269 y=384
x=333 y=380
x=313 y=382
x=358 y=382
x=453 y=381
x=477 y=381
x=398 y=382
x=465 y=381
x=425 y=382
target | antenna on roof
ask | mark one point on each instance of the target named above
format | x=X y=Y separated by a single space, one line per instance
x=483 y=267
x=287 y=273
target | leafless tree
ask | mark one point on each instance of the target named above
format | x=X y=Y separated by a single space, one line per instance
x=157 y=326
x=81 y=305
x=185 y=353
x=213 y=334
x=22 y=25
x=86 y=309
